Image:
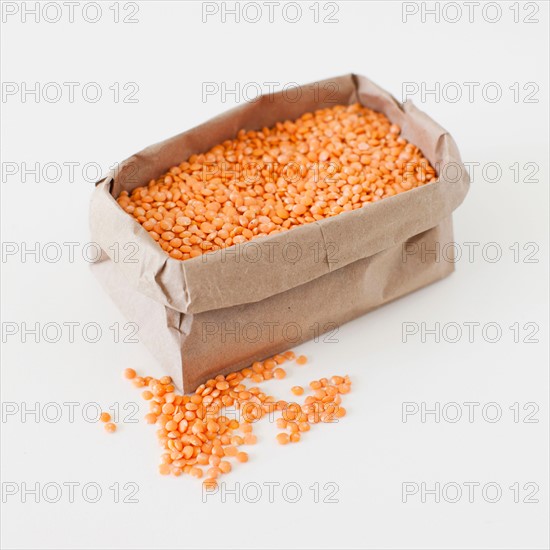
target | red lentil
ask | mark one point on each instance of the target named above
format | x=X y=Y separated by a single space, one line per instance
x=129 y=373
x=110 y=427
x=283 y=438
x=279 y=374
x=195 y=434
x=242 y=456
x=331 y=161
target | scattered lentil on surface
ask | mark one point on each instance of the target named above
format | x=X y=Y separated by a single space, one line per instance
x=198 y=439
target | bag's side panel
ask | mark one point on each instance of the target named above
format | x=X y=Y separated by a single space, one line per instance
x=193 y=348
x=155 y=322
x=220 y=341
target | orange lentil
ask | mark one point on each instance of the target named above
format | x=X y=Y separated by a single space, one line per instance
x=194 y=432
x=242 y=456
x=104 y=417
x=138 y=382
x=214 y=460
x=218 y=451
x=270 y=364
x=340 y=412
x=283 y=438
x=230 y=450
x=225 y=466
x=348 y=156
x=170 y=397
x=302 y=360
x=171 y=426
x=129 y=373
x=110 y=427
x=202 y=459
x=281 y=423
x=213 y=472
x=258 y=367
x=158 y=390
x=164 y=469
x=279 y=373
x=168 y=408
x=292 y=426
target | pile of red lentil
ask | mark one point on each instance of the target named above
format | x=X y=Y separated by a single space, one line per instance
x=199 y=440
x=264 y=181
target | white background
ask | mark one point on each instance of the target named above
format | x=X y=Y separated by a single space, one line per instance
x=169 y=53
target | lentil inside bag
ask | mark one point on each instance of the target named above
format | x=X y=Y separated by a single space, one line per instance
x=332 y=161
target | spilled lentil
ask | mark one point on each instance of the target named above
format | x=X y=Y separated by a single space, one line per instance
x=198 y=439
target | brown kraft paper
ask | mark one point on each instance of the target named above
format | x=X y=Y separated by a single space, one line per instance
x=220 y=312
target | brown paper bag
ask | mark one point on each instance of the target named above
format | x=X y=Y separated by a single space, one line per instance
x=217 y=313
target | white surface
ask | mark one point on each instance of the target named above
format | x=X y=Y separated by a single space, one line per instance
x=169 y=53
